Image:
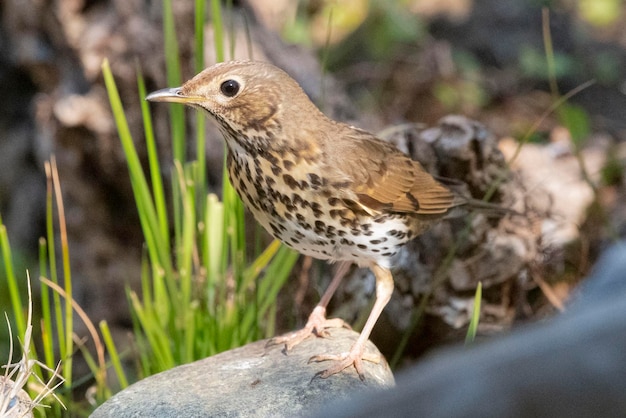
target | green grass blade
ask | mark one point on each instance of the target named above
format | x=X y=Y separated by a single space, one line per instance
x=276 y=274
x=177 y=115
x=67 y=279
x=52 y=260
x=275 y=277
x=14 y=292
x=190 y=333
x=153 y=161
x=189 y=222
x=185 y=252
x=213 y=247
x=218 y=27
x=46 y=309
x=172 y=65
x=159 y=252
x=159 y=341
x=473 y=325
x=234 y=226
x=200 y=179
x=260 y=263
x=199 y=35
x=113 y=354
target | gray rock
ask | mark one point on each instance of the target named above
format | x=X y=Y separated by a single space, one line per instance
x=250 y=381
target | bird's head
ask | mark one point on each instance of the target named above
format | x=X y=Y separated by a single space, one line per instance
x=247 y=98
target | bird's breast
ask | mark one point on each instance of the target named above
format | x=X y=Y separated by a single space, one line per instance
x=295 y=203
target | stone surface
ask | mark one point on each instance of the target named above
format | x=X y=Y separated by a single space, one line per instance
x=249 y=381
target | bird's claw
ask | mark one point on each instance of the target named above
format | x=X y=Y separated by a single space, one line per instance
x=317 y=325
x=343 y=361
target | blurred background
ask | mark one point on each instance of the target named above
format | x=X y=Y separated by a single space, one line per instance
x=374 y=63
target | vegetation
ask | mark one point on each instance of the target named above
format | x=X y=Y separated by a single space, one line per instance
x=198 y=299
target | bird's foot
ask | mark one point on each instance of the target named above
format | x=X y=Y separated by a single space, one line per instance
x=317 y=324
x=354 y=357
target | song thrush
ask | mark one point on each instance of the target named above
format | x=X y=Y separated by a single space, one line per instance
x=324 y=188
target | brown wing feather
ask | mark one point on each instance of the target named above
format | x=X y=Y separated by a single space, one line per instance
x=385 y=179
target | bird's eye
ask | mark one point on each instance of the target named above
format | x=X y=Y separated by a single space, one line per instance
x=229 y=88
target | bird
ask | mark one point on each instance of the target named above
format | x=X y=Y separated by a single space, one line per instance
x=327 y=189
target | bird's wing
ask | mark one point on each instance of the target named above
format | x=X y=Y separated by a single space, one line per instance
x=385 y=179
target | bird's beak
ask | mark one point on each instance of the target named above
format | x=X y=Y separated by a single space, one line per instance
x=174 y=95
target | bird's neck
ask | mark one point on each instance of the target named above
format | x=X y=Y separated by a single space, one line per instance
x=298 y=140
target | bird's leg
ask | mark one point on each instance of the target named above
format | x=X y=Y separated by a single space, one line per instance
x=356 y=355
x=317 y=322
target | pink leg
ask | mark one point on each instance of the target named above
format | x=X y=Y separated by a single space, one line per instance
x=356 y=355
x=317 y=322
